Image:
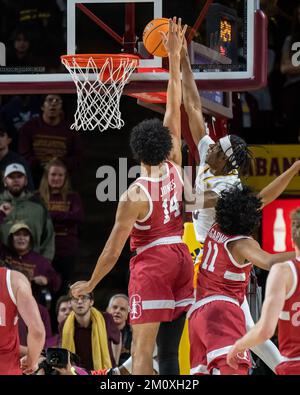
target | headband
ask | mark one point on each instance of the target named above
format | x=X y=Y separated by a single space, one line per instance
x=227 y=148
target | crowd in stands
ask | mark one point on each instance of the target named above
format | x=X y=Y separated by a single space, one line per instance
x=40 y=213
x=40 y=217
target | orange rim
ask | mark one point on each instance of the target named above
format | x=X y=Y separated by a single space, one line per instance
x=99 y=59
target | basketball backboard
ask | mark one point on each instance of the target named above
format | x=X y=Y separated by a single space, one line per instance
x=227 y=43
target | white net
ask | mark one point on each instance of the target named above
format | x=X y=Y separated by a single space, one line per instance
x=99 y=90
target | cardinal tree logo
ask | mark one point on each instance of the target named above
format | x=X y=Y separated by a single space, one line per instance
x=135 y=307
x=244 y=356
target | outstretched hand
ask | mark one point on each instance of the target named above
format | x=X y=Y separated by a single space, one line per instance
x=173 y=41
x=81 y=288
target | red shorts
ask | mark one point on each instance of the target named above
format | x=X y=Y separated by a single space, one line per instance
x=290 y=367
x=213 y=329
x=161 y=283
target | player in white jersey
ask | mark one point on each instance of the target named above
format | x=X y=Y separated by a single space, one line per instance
x=220 y=163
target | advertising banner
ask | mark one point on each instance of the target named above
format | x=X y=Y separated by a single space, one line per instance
x=276 y=225
x=270 y=162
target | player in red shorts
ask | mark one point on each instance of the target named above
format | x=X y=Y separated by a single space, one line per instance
x=216 y=320
x=282 y=306
x=161 y=270
x=16 y=297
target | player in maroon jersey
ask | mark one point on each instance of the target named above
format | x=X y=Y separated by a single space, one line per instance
x=161 y=270
x=16 y=297
x=216 y=320
x=282 y=306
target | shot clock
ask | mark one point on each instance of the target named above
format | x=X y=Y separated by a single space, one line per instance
x=221 y=27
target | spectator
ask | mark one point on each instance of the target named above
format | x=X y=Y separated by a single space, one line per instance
x=65 y=209
x=16 y=112
x=19 y=49
x=7 y=157
x=89 y=334
x=63 y=309
x=47 y=137
x=20 y=256
x=118 y=307
x=26 y=208
x=44 y=20
x=291 y=104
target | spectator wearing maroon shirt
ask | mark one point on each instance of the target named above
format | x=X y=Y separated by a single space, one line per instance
x=47 y=137
x=66 y=211
x=20 y=256
x=26 y=207
x=81 y=321
x=62 y=309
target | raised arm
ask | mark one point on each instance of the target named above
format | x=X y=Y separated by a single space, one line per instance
x=131 y=204
x=276 y=187
x=172 y=119
x=28 y=310
x=191 y=98
x=278 y=283
x=250 y=250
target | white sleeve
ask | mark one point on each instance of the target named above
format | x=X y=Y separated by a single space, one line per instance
x=203 y=145
x=224 y=184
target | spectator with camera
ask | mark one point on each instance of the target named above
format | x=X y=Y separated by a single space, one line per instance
x=90 y=333
x=59 y=361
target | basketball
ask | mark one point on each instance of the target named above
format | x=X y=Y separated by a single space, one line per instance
x=152 y=38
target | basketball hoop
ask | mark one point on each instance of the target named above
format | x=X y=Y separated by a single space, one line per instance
x=99 y=81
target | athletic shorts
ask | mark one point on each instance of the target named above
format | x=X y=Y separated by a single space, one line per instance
x=290 y=367
x=213 y=329
x=161 y=284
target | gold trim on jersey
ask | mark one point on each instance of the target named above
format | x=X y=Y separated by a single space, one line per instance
x=206 y=168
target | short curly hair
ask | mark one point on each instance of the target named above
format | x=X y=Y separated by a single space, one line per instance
x=151 y=142
x=238 y=211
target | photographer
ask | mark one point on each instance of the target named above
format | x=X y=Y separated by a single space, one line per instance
x=59 y=361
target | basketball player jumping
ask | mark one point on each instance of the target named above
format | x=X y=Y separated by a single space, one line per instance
x=216 y=320
x=220 y=163
x=281 y=305
x=161 y=270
